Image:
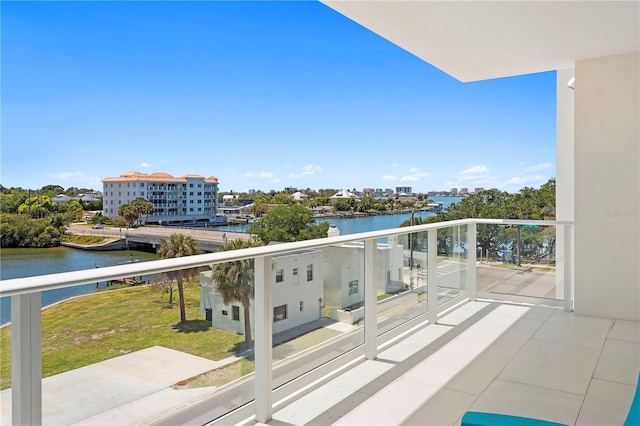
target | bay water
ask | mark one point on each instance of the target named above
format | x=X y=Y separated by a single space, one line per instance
x=29 y=262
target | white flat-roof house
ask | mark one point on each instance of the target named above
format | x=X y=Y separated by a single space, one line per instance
x=176 y=199
x=344 y=274
x=297 y=294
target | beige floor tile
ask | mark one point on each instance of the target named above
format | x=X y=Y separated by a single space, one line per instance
x=566 y=368
x=625 y=330
x=517 y=399
x=444 y=408
x=482 y=371
x=519 y=333
x=619 y=362
x=574 y=329
x=606 y=403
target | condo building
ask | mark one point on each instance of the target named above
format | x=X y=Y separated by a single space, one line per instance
x=189 y=198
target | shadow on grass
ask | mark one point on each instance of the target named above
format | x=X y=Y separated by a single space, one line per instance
x=241 y=347
x=192 y=326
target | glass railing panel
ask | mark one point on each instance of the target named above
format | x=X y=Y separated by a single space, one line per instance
x=517 y=260
x=128 y=342
x=452 y=262
x=318 y=307
x=402 y=279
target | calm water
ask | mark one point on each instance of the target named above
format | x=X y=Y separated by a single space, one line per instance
x=19 y=263
x=366 y=224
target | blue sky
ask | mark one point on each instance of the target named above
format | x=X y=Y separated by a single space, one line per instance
x=262 y=95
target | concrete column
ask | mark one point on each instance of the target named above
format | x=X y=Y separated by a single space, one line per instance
x=607 y=187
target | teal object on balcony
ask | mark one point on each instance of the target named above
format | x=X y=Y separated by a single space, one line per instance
x=633 y=418
x=475 y=418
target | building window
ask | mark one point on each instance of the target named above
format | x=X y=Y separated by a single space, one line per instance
x=353 y=287
x=141 y=184
x=301 y=306
x=235 y=313
x=295 y=271
x=280 y=313
x=225 y=312
x=279 y=275
x=310 y=272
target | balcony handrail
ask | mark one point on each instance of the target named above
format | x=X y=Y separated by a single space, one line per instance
x=38 y=283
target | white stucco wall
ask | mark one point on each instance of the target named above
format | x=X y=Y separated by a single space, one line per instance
x=607 y=187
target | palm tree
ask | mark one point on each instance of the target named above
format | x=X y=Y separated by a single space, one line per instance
x=236 y=282
x=179 y=245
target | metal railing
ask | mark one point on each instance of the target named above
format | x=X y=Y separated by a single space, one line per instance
x=439 y=260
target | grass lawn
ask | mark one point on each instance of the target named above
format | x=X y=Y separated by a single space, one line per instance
x=87 y=240
x=108 y=324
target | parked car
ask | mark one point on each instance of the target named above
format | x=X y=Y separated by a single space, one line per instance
x=98 y=226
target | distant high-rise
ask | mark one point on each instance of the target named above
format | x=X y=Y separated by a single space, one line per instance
x=404 y=190
x=454 y=191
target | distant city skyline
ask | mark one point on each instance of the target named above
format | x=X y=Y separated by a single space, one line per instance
x=262 y=95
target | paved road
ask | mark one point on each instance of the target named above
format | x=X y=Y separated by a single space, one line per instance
x=524 y=281
x=201 y=234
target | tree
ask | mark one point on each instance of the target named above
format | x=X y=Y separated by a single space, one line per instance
x=38 y=206
x=235 y=282
x=141 y=207
x=288 y=223
x=126 y=211
x=179 y=245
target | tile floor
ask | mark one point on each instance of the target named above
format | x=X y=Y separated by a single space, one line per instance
x=528 y=361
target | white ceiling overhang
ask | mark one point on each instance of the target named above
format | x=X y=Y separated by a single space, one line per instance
x=478 y=40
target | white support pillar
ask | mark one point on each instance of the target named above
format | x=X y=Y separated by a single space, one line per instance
x=471 y=267
x=370 y=300
x=432 y=276
x=567 y=267
x=263 y=345
x=565 y=170
x=26 y=359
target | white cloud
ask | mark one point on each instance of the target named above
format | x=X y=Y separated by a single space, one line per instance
x=416 y=175
x=307 y=170
x=521 y=180
x=262 y=175
x=474 y=170
x=537 y=167
x=144 y=165
x=389 y=177
x=311 y=169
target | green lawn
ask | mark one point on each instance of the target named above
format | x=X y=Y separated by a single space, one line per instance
x=105 y=325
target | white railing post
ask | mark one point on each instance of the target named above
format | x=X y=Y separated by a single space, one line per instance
x=263 y=345
x=370 y=300
x=432 y=276
x=26 y=359
x=471 y=267
x=566 y=267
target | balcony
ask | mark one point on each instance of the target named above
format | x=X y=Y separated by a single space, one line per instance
x=401 y=326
